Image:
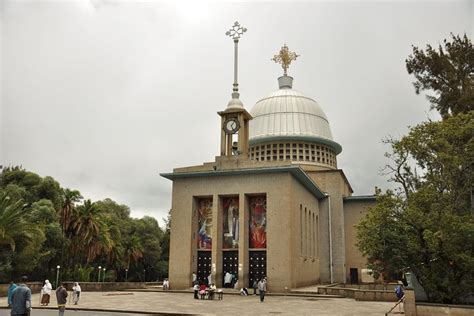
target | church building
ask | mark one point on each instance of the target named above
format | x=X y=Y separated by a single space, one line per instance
x=273 y=203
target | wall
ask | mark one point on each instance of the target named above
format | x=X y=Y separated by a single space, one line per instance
x=425 y=309
x=305 y=263
x=354 y=211
x=85 y=286
x=333 y=183
x=183 y=229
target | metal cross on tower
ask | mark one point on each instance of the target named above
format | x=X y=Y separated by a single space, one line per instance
x=235 y=32
x=285 y=57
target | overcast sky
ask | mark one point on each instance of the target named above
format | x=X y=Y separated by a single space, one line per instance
x=104 y=95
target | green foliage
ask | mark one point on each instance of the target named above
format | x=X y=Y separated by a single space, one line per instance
x=43 y=225
x=427 y=226
x=448 y=71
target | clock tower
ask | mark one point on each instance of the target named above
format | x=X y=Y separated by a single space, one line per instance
x=235 y=118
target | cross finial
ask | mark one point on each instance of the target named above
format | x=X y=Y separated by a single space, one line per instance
x=236 y=31
x=285 y=57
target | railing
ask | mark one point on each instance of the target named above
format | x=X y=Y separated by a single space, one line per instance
x=397 y=304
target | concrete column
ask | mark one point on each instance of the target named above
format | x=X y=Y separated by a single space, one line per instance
x=223 y=137
x=243 y=241
x=409 y=305
x=216 y=238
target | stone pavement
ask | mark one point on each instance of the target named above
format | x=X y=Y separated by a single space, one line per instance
x=167 y=302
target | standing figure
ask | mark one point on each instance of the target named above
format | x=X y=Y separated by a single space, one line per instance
x=254 y=286
x=21 y=299
x=209 y=279
x=61 y=296
x=46 y=293
x=11 y=288
x=227 y=280
x=194 y=278
x=166 y=285
x=262 y=288
x=76 y=293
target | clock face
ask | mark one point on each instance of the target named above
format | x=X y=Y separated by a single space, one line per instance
x=231 y=125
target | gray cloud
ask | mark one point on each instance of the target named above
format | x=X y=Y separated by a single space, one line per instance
x=104 y=95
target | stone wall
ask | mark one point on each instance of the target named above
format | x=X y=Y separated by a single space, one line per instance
x=359 y=294
x=34 y=286
x=85 y=286
x=426 y=309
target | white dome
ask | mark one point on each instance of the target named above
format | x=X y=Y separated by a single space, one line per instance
x=288 y=114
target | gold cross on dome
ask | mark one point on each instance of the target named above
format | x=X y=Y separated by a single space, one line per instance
x=285 y=57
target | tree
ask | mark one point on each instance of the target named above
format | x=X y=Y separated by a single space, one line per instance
x=448 y=71
x=427 y=225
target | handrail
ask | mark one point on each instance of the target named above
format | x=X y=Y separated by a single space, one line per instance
x=398 y=303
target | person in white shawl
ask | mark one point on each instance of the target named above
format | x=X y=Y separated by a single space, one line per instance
x=46 y=293
x=76 y=293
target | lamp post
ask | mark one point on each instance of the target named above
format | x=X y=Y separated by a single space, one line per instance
x=57 y=274
x=98 y=277
x=144 y=275
x=103 y=276
x=126 y=275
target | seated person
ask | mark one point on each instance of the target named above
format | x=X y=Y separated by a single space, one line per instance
x=202 y=291
x=244 y=291
x=211 y=291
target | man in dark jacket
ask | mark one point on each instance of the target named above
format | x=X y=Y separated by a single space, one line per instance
x=61 y=296
x=21 y=300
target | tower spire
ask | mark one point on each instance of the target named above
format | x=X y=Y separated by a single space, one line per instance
x=285 y=57
x=235 y=32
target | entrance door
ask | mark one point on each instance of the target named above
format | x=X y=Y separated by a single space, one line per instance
x=354 y=276
x=204 y=266
x=257 y=266
x=230 y=263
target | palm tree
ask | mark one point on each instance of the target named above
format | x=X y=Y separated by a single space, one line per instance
x=87 y=222
x=12 y=224
x=133 y=250
x=70 y=197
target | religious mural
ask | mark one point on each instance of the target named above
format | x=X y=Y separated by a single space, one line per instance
x=230 y=223
x=258 y=222
x=204 y=214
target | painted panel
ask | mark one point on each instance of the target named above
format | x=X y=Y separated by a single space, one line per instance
x=204 y=215
x=230 y=223
x=258 y=222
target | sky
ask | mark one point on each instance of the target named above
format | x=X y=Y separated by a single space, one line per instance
x=104 y=95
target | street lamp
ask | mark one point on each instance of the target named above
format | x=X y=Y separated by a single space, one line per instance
x=98 y=277
x=103 y=276
x=57 y=274
x=126 y=275
x=144 y=275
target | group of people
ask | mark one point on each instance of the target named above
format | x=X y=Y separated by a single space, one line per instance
x=19 y=296
x=200 y=288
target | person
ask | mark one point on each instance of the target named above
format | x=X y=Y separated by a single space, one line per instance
x=262 y=288
x=166 y=285
x=202 y=291
x=236 y=285
x=11 y=288
x=212 y=290
x=194 y=278
x=400 y=294
x=61 y=296
x=196 y=290
x=399 y=291
x=76 y=293
x=254 y=285
x=21 y=299
x=46 y=293
x=209 y=279
x=244 y=291
x=227 y=280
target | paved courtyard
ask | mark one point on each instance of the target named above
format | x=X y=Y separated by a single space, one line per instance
x=231 y=305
